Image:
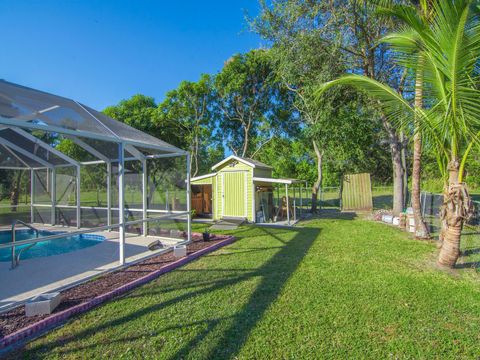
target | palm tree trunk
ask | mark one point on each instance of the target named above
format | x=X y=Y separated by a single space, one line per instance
x=443 y=217
x=455 y=210
x=421 y=230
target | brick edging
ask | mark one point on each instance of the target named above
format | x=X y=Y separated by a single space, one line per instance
x=59 y=318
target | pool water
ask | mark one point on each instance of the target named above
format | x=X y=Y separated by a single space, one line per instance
x=46 y=248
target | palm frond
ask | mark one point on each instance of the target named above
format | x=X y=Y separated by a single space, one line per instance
x=398 y=110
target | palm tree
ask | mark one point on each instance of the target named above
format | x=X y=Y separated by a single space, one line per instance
x=449 y=49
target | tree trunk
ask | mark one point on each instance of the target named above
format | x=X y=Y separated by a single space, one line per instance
x=398 y=187
x=15 y=193
x=455 y=210
x=396 y=153
x=246 y=130
x=421 y=230
x=318 y=183
x=405 y=170
x=195 y=155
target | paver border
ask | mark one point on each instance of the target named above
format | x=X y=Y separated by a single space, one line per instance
x=57 y=319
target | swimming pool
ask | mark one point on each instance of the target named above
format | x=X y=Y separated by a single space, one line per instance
x=46 y=248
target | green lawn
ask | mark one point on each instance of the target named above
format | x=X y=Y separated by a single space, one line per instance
x=334 y=288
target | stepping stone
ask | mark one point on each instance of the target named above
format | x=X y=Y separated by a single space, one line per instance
x=228 y=224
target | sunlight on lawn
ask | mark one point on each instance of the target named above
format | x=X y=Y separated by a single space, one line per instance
x=333 y=287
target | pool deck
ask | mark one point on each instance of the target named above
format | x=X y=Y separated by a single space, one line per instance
x=46 y=274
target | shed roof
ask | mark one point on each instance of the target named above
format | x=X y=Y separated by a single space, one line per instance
x=203 y=177
x=247 y=161
x=278 y=181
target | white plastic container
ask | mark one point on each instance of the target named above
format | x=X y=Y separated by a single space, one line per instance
x=42 y=304
x=180 y=251
x=396 y=221
x=388 y=219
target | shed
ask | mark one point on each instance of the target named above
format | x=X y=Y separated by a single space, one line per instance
x=243 y=188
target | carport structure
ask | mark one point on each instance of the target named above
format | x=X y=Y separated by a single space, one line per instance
x=28 y=116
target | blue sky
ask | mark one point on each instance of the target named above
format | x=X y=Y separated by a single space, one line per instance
x=99 y=52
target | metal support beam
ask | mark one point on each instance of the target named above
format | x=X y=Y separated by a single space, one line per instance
x=159 y=156
x=32 y=196
x=16 y=157
x=301 y=200
x=79 y=219
x=294 y=204
x=109 y=194
x=287 y=203
x=47 y=147
x=25 y=153
x=121 y=203
x=82 y=133
x=88 y=148
x=135 y=152
x=189 y=201
x=53 y=194
x=144 y=196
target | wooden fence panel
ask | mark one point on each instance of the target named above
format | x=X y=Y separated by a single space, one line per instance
x=357 y=192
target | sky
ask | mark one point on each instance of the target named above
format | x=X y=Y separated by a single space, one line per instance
x=99 y=52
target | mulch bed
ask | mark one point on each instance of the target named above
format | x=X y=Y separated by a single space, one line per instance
x=16 y=319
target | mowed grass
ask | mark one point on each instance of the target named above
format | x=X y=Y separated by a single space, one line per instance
x=334 y=288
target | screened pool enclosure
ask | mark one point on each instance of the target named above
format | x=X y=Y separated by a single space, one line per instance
x=71 y=165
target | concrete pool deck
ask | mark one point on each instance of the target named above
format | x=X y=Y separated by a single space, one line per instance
x=45 y=274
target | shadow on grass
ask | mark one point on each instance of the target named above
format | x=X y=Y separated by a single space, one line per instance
x=468 y=265
x=337 y=214
x=274 y=273
x=469 y=252
x=382 y=201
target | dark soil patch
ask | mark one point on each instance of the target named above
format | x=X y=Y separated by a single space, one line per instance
x=15 y=319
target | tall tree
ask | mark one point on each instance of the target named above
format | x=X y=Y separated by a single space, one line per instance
x=251 y=104
x=422 y=11
x=352 y=27
x=451 y=54
x=138 y=112
x=190 y=108
x=301 y=62
x=141 y=112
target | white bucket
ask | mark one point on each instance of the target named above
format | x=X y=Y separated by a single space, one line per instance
x=180 y=251
x=388 y=219
x=396 y=221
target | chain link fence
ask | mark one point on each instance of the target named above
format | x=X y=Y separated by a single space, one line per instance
x=470 y=243
x=431 y=203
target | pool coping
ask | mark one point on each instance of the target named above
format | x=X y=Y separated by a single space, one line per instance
x=32 y=331
x=105 y=266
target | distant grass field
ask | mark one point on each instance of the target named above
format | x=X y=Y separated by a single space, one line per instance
x=336 y=287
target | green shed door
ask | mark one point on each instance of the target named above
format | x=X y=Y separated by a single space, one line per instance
x=234 y=194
